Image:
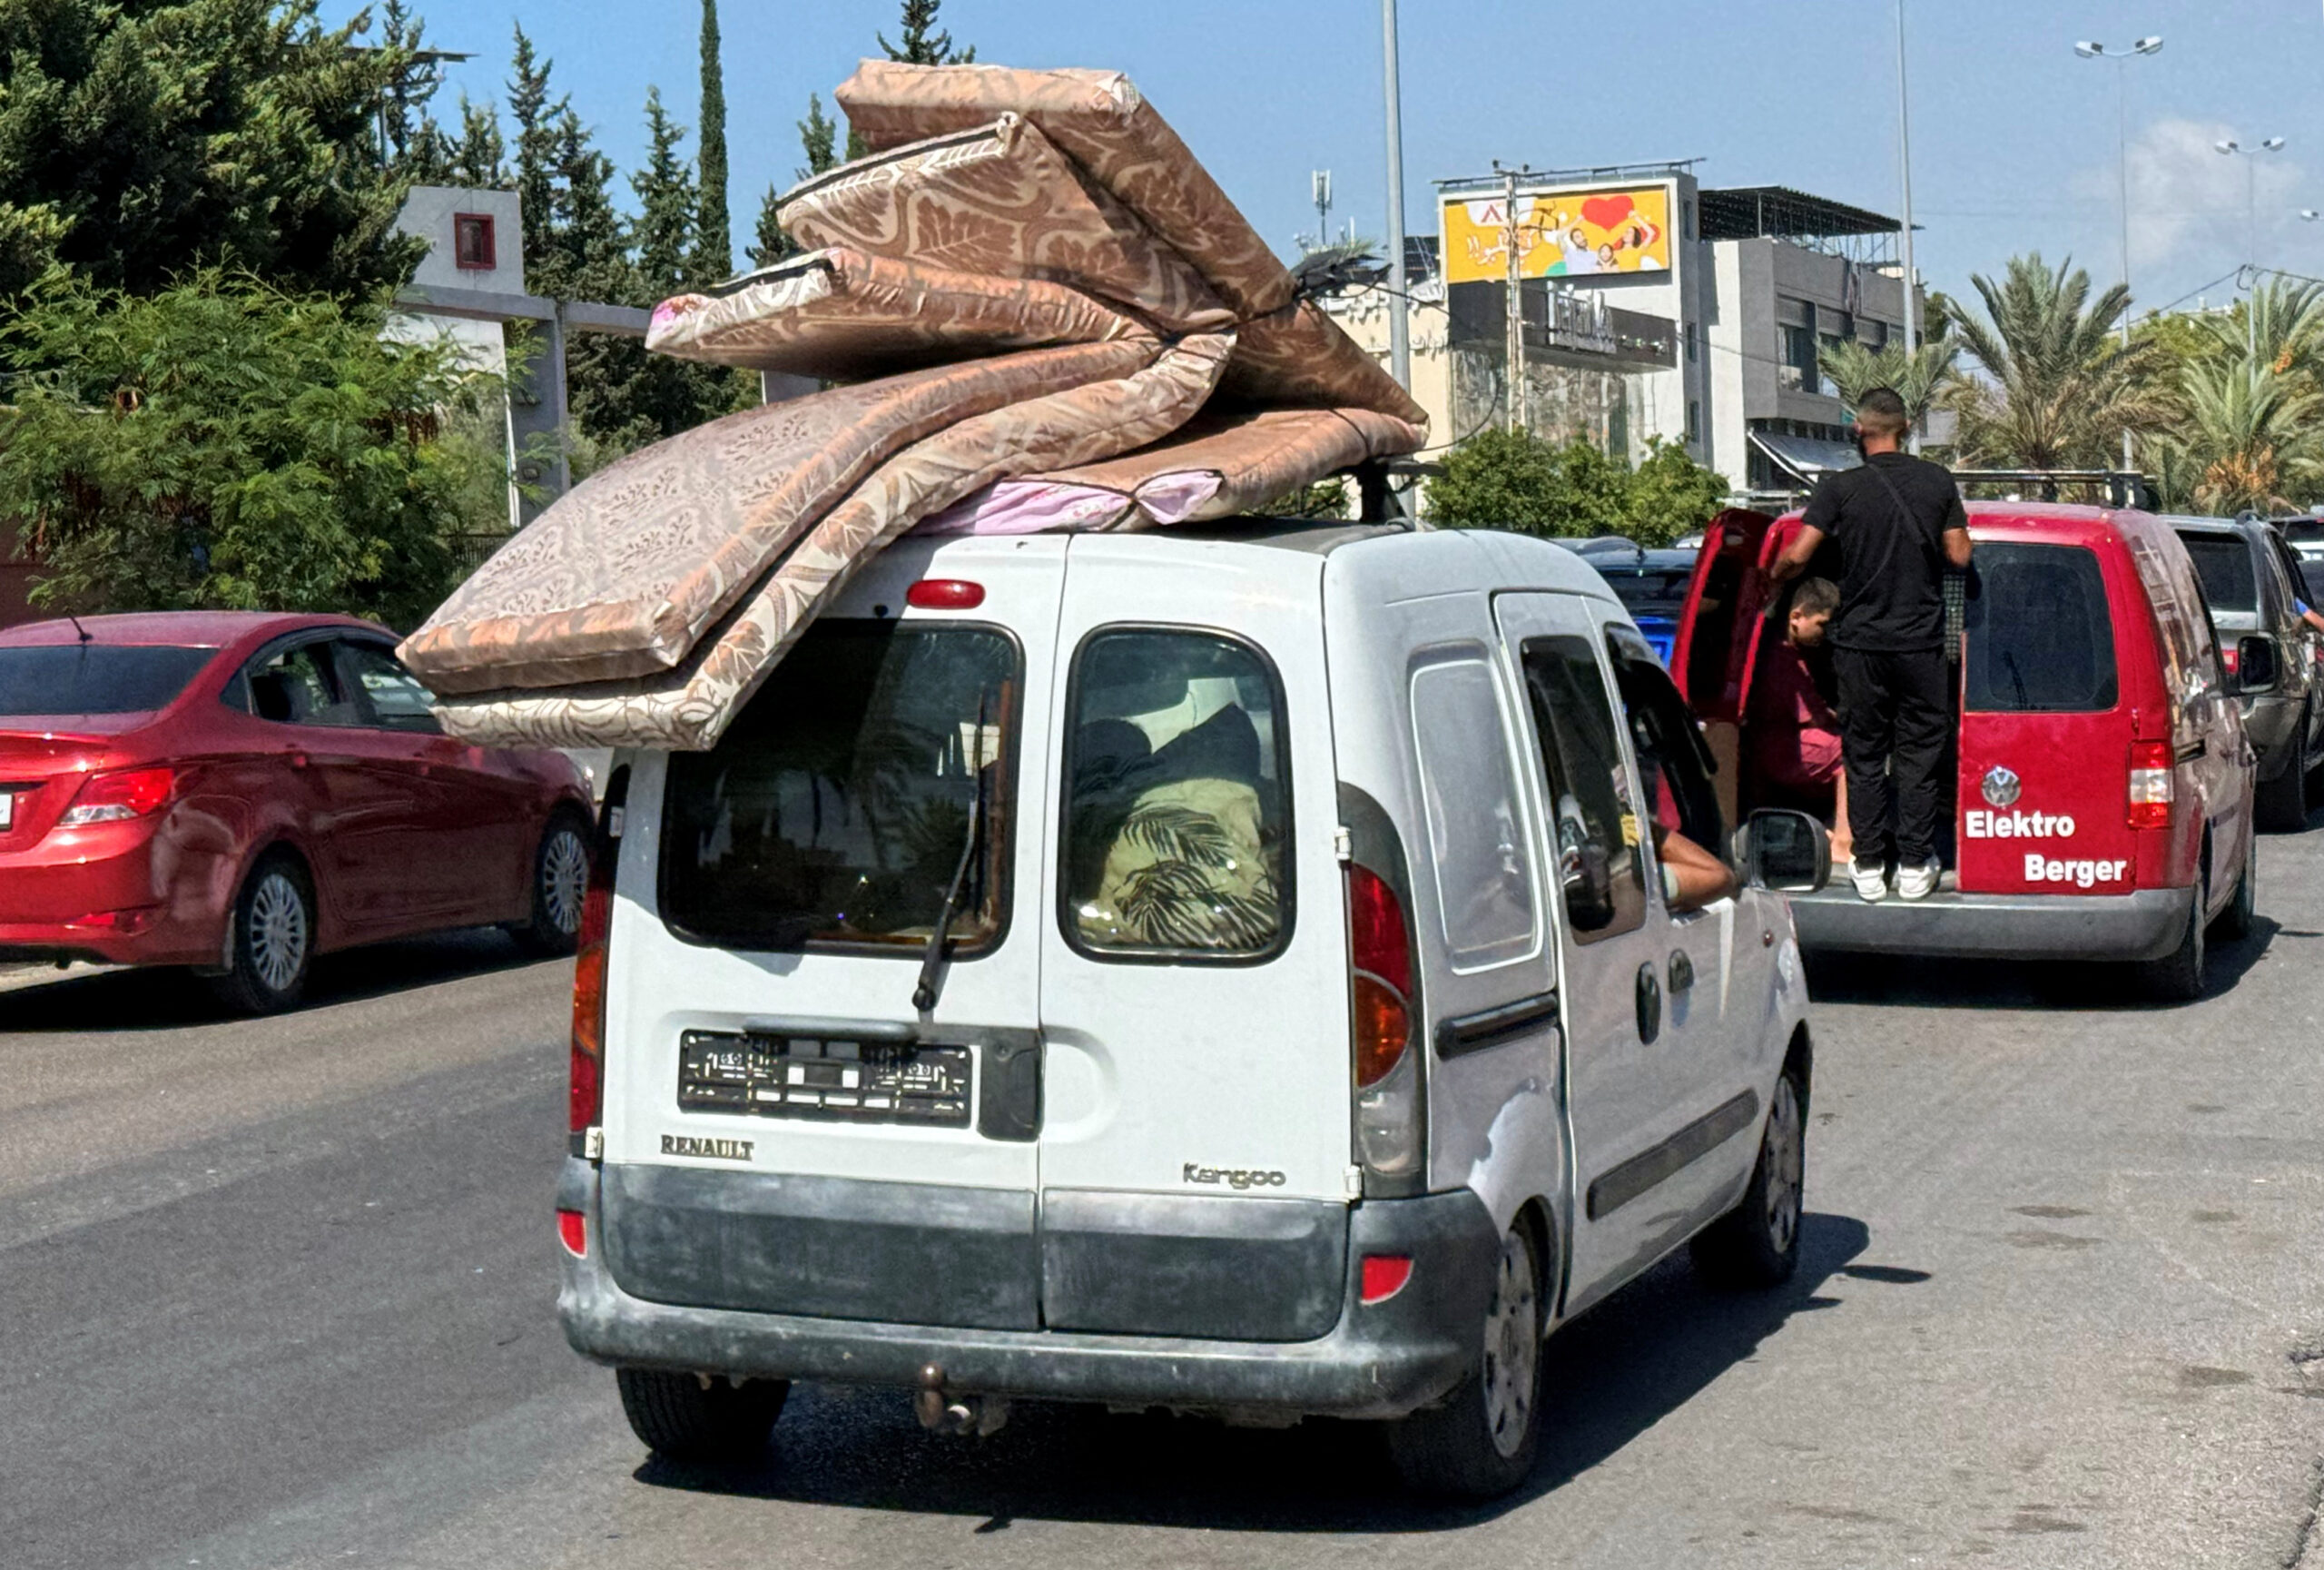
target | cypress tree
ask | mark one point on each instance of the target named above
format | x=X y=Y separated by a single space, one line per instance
x=480 y=157
x=714 y=245
x=818 y=140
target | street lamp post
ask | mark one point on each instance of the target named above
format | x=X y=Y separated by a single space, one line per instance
x=1400 y=343
x=2122 y=58
x=1905 y=180
x=2250 y=156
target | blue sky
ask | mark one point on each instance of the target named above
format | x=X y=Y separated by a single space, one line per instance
x=2013 y=137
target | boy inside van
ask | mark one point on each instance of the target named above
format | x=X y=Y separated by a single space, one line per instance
x=1795 y=734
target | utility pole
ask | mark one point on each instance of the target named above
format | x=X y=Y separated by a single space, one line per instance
x=1514 y=376
x=1400 y=339
x=1905 y=172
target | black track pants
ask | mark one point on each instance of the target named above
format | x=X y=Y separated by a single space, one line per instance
x=1893 y=719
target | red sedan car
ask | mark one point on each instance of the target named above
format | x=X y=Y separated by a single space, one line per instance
x=241 y=792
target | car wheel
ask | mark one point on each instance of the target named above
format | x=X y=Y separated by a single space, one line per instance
x=699 y=1418
x=560 y=880
x=2235 y=922
x=2280 y=805
x=1756 y=1244
x=271 y=944
x=2177 y=976
x=1481 y=1441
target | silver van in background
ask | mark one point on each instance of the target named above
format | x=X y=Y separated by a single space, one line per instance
x=1223 y=970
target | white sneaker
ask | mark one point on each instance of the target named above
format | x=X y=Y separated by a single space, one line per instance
x=1917 y=883
x=1871 y=881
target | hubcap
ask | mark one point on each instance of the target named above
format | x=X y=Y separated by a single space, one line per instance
x=1785 y=1163
x=1512 y=1347
x=278 y=932
x=564 y=879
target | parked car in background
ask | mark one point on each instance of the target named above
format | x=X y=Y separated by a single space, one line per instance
x=1317 y=1035
x=2102 y=779
x=2304 y=532
x=2252 y=583
x=241 y=792
x=1650 y=584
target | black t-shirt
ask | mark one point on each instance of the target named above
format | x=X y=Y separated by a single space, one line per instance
x=1892 y=586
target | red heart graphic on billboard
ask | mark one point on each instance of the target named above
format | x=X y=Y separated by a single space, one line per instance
x=1605 y=211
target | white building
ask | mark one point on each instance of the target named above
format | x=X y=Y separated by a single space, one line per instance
x=476 y=241
x=1651 y=308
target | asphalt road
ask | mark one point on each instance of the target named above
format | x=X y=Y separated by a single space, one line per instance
x=279 y=1294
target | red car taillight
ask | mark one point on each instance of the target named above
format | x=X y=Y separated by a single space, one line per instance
x=1383 y=962
x=129 y=793
x=2152 y=785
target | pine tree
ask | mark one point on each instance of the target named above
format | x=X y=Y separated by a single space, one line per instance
x=480 y=157
x=818 y=141
x=537 y=152
x=144 y=139
x=922 y=45
x=769 y=245
x=714 y=256
x=667 y=204
x=586 y=254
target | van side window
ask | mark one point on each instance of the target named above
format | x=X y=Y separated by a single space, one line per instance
x=1476 y=830
x=1178 y=810
x=1672 y=757
x=1600 y=866
x=2190 y=660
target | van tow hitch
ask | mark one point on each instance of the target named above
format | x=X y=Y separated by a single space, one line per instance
x=942 y=1411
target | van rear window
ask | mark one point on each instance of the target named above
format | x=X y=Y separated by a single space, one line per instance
x=1178 y=814
x=835 y=812
x=2040 y=637
x=95 y=677
x=2223 y=562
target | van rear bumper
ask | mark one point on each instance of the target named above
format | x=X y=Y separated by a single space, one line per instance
x=2143 y=924
x=1380 y=1360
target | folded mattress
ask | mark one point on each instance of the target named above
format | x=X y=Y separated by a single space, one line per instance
x=1041 y=313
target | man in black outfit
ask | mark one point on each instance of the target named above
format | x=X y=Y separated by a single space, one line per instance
x=1898 y=522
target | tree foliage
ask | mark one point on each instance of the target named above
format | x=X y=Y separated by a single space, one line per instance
x=1855 y=371
x=2057 y=387
x=226 y=444
x=1515 y=480
x=142 y=140
x=923 y=43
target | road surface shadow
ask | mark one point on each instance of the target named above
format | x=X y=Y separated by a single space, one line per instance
x=1609 y=1376
x=167 y=999
x=1913 y=981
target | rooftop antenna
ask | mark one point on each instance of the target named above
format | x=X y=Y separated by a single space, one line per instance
x=1320 y=187
x=78 y=628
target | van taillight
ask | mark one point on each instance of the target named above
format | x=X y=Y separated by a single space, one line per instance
x=586 y=1087
x=1383 y=962
x=2152 y=785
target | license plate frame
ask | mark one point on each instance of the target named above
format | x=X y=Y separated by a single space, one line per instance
x=830 y=1080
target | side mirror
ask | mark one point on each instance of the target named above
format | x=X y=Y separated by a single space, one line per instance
x=2256 y=669
x=1786 y=851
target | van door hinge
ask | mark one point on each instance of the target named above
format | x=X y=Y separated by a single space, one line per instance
x=592 y=1144
x=1343 y=845
x=1352 y=1183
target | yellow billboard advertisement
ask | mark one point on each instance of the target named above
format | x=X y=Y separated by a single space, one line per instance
x=1560 y=233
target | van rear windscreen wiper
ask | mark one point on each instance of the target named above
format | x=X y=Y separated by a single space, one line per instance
x=931 y=963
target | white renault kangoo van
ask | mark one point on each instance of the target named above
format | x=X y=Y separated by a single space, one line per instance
x=1222 y=970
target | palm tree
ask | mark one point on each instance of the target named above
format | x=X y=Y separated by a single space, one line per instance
x=2283 y=320
x=1855 y=371
x=2058 y=388
x=2250 y=435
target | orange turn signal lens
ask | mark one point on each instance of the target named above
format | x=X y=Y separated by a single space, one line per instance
x=1383 y=1029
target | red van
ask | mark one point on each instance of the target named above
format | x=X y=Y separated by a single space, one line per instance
x=2100 y=778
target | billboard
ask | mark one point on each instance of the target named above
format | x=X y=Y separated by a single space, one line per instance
x=1560 y=233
